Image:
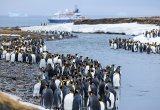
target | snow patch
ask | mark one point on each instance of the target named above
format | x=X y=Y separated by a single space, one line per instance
x=11 y=35
x=144 y=39
x=127 y=28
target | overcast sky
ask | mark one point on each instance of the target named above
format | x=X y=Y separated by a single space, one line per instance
x=103 y=8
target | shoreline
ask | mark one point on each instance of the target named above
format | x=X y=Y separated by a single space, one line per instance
x=11 y=33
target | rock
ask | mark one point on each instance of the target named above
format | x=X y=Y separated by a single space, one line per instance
x=13 y=89
x=141 y=20
x=19 y=80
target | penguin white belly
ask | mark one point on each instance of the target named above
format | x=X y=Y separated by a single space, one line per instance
x=89 y=88
x=68 y=102
x=61 y=97
x=153 y=49
x=115 y=46
x=112 y=101
x=151 y=35
x=60 y=36
x=13 y=58
x=44 y=48
x=102 y=105
x=57 y=82
x=126 y=46
x=116 y=80
x=55 y=60
x=24 y=49
x=8 y=57
x=33 y=58
x=92 y=73
x=27 y=60
x=73 y=61
x=112 y=45
x=43 y=76
x=60 y=62
x=20 y=57
x=36 y=89
x=117 y=98
x=86 y=69
x=104 y=78
x=4 y=54
x=42 y=63
x=53 y=37
x=148 y=36
x=41 y=50
x=135 y=48
x=49 y=61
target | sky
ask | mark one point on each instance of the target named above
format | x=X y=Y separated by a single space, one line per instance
x=101 y=8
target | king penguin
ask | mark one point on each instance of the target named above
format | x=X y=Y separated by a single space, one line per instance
x=68 y=101
x=42 y=63
x=47 y=98
x=8 y=56
x=116 y=80
x=77 y=101
x=36 y=90
x=58 y=96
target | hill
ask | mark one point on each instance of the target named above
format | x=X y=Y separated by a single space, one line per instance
x=140 y=20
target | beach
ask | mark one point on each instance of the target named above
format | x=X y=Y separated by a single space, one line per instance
x=92 y=41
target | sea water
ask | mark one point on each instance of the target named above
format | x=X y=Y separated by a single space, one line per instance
x=140 y=72
x=6 y=21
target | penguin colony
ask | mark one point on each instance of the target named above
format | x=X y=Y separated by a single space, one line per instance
x=152 y=34
x=134 y=46
x=137 y=46
x=53 y=35
x=68 y=82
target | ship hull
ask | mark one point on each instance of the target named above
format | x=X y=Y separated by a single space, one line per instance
x=60 y=20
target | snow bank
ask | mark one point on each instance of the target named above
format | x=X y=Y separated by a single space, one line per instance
x=24 y=103
x=144 y=39
x=12 y=35
x=127 y=28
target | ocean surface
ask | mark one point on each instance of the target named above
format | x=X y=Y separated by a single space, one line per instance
x=6 y=21
x=140 y=72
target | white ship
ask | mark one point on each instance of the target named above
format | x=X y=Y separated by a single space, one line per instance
x=66 y=16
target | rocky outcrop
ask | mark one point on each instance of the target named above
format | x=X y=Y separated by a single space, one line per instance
x=19 y=79
x=141 y=20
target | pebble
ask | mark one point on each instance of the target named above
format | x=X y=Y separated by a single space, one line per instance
x=18 y=80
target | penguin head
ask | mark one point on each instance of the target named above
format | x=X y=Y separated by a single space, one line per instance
x=76 y=91
x=92 y=93
x=47 y=85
